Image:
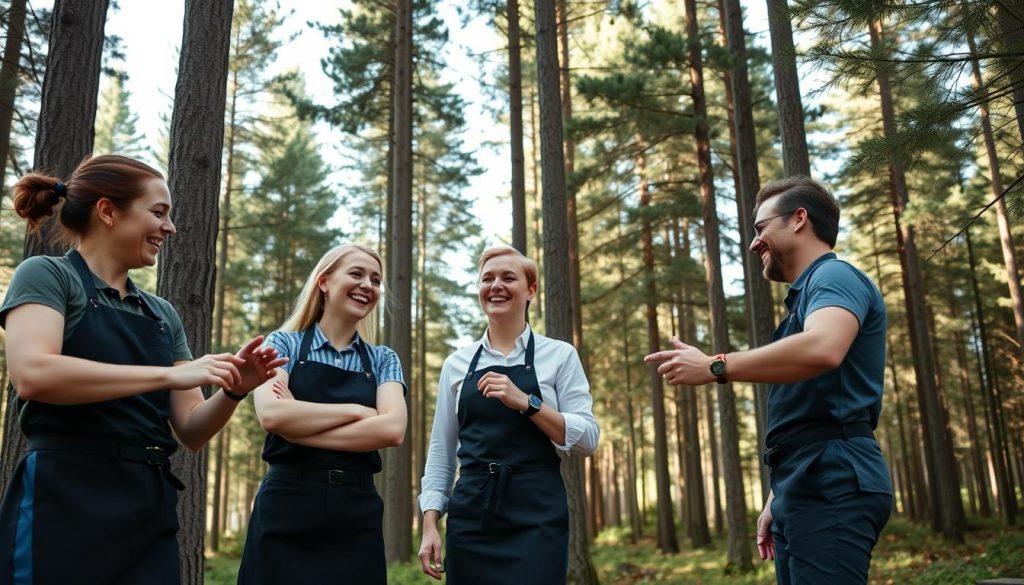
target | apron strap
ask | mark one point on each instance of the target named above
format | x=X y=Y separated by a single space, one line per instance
x=474 y=361
x=307 y=342
x=364 y=356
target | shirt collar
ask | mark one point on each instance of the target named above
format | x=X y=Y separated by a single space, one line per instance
x=521 y=341
x=320 y=341
x=131 y=291
x=801 y=280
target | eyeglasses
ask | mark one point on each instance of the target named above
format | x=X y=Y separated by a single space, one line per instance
x=760 y=225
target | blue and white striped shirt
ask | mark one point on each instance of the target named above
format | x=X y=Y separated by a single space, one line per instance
x=383 y=359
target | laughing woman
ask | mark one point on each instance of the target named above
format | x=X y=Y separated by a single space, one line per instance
x=506 y=405
x=103 y=376
x=317 y=516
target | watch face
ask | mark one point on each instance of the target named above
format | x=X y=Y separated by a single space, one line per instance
x=718 y=367
x=535 y=401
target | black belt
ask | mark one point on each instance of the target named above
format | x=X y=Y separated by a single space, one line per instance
x=774 y=455
x=494 y=478
x=152 y=455
x=330 y=476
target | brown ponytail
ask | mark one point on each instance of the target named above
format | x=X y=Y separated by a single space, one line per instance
x=118 y=178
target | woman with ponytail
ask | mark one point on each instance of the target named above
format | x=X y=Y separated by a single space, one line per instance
x=106 y=386
x=317 y=516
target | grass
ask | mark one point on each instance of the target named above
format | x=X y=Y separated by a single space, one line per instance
x=907 y=554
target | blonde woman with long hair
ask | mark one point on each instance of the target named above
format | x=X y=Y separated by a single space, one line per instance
x=506 y=406
x=317 y=516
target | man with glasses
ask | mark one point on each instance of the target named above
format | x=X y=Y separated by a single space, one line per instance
x=831 y=493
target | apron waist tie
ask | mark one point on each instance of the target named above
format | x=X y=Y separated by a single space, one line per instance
x=494 y=479
x=153 y=455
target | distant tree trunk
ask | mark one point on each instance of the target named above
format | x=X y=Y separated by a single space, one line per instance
x=558 y=297
x=787 y=90
x=716 y=467
x=63 y=138
x=538 y=243
x=696 y=500
x=421 y=339
x=736 y=508
x=187 y=262
x=9 y=79
x=515 y=113
x=947 y=506
x=758 y=293
x=667 y=542
x=977 y=465
x=636 y=521
x=1000 y=450
x=1002 y=217
x=397 y=474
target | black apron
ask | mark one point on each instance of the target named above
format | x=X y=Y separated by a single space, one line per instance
x=93 y=500
x=318 y=518
x=508 y=521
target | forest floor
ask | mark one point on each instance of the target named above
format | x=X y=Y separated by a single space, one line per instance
x=907 y=554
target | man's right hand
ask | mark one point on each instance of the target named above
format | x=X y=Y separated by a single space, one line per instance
x=765 y=540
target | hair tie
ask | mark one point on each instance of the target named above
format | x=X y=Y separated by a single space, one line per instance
x=60 y=190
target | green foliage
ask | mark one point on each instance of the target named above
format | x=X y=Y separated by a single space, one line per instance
x=116 y=131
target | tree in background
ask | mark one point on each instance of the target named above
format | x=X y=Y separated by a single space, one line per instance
x=116 y=131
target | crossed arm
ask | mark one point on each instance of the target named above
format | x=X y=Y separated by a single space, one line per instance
x=339 y=427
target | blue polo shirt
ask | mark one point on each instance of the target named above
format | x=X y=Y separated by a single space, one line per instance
x=852 y=392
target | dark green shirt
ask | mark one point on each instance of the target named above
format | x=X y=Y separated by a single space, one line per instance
x=52 y=281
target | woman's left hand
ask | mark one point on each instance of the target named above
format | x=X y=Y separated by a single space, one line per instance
x=259 y=366
x=499 y=386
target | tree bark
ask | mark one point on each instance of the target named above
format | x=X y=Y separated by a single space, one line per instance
x=10 y=72
x=64 y=137
x=947 y=506
x=736 y=508
x=187 y=261
x=397 y=475
x=758 y=293
x=558 y=297
x=1002 y=217
x=787 y=90
x=667 y=542
x=1011 y=25
x=515 y=113
x=1000 y=450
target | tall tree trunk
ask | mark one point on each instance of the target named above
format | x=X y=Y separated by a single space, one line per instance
x=187 y=262
x=1000 y=450
x=421 y=339
x=1002 y=217
x=10 y=72
x=538 y=255
x=397 y=475
x=667 y=542
x=947 y=506
x=696 y=500
x=716 y=467
x=515 y=114
x=636 y=521
x=64 y=137
x=758 y=292
x=977 y=464
x=558 y=297
x=787 y=90
x=736 y=508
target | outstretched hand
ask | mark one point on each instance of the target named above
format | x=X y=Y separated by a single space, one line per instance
x=683 y=365
x=258 y=365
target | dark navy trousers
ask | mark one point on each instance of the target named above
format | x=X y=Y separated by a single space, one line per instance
x=827 y=514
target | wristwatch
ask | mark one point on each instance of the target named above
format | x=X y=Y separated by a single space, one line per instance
x=718 y=368
x=533 y=405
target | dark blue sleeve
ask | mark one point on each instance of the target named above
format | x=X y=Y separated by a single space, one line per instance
x=838 y=284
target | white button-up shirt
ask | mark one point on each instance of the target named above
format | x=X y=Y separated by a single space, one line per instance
x=563 y=386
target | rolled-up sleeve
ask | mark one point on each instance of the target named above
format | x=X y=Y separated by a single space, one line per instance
x=439 y=471
x=577 y=406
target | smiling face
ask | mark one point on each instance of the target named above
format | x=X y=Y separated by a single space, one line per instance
x=353 y=287
x=140 y=230
x=504 y=289
x=770 y=242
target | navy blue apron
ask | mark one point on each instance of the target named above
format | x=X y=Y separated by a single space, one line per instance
x=508 y=521
x=318 y=517
x=93 y=500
